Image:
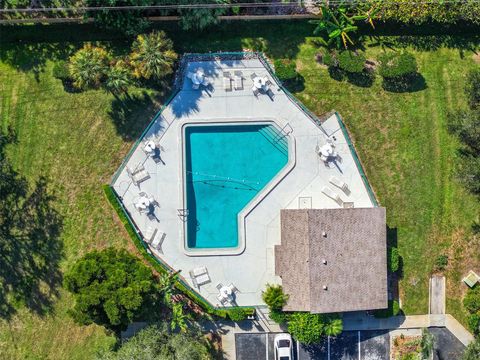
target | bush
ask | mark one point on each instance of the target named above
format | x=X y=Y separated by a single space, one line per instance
x=237 y=314
x=393 y=259
x=60 y=70
x=392 y=310
x=351 y=62
x=397 y=65
x=285 y=69
x=472 y=88
x=441 y=262
x=274 y=297
x=330 y=59
x=471 y=302
x=279 y=316
x=473 y=322
x=305 y=327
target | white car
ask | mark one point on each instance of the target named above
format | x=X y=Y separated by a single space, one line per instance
x=283 y=347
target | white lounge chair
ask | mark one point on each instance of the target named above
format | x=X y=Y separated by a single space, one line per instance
x=158 y=241
x=338 y=183
x=199 y=271
x=149 y=234
x=332 y=194
x=138 y=175
x=227 y=83
x=202 y=279
x=238 y=80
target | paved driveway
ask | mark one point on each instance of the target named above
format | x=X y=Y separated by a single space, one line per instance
x=350 y=345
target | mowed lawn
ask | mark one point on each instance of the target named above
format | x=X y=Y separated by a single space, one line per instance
x=78 y=140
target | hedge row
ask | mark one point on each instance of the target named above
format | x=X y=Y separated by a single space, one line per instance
x=192 y=295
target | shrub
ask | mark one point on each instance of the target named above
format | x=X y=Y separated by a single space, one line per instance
x=472 y=88
x=274 y=297
x=88 y=66
x=60 y=70
x=393 y=259
x=305 y=327
x=472 y=352
x=285 y=69
x=397 y=65
x=392 y=310
x=441 y=262
x=279 y=316
x=237 y=314
x=330 y=59
x=471 y=302
x=351 y=62
x=473 y=322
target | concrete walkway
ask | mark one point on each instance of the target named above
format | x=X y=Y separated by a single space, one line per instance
x=437 y=295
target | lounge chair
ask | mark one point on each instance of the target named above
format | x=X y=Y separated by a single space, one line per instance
x=149 y=234
x=256 y=92
x=202 y=279
x=338 y=183
x=138 y=175
x=199 y=271
x=158 y=241
x=238 y=80
x=332 y=194
x=227 y=82
x=253 y=76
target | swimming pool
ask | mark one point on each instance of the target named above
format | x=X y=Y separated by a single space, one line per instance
x=226 y=166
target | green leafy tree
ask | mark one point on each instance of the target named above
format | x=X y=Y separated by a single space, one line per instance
x=274 y=297
x=152 y=56
x=472 y=88
x=472 y=352
x=157 y=342
x=202 y=17
x=111 y=288
x=118 y=79
x=129 y=22
x=305 y=327
x=88 y=67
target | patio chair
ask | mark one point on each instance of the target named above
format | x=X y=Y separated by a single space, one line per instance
x=238 y=80
x=233 y=288
x=205 y=81
x=270 y=94
x=338 y=183
x=268 y=83
x=138 y=175
x=256 y=92
x=253 y=76
x=332 y=195
x=222 y=300
x=227 y=83
x=195 y=86
x=190 y=75
x=149 y=234
x=219 y=286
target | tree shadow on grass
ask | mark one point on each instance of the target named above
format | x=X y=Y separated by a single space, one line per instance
x=131 y=114
x=30 y=246
x=411 y=83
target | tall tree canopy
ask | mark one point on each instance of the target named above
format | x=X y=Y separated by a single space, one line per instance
x=111 y=288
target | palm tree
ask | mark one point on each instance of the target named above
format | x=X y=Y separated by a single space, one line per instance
x=333 y=327
x=152 y=56
x=118 y=79
x=88 y=66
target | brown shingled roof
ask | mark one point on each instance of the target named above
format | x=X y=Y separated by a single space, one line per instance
x=355 y=251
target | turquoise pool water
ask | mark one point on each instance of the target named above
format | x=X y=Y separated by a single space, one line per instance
x=226 y=166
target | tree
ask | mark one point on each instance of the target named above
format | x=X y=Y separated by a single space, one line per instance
x=333 y=325
x=274 y=297
x=129 y=22
x=472 y=352
x=88 y=66
x=157 y=342
x=200 y=18
x=472 y=88
x=305 y=327
x=111 y=288
x=152 y=56
x=118 y=79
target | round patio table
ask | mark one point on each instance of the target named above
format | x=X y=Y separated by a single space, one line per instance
x=150 y=147
x=226 y=292
x=143 y=202
x=198 y=77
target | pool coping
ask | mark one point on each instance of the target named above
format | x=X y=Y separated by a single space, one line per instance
x=252 y=204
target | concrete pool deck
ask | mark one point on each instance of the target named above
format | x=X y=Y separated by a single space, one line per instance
x=301 y=187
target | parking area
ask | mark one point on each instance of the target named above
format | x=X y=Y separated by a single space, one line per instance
x=350 y=345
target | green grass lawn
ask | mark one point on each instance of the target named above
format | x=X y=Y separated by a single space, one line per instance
x=78 y=141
